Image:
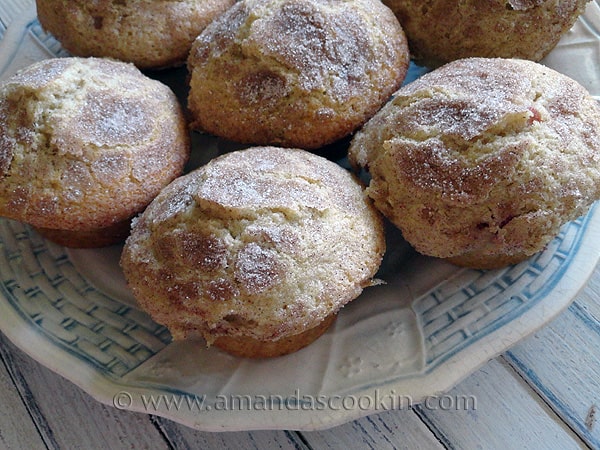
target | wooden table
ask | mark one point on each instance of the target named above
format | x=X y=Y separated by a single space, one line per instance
x=543 y=393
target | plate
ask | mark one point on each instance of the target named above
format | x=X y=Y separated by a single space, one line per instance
x=398 y=344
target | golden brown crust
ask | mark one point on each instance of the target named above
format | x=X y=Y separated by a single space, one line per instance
x=253 y=348
x=480 y=261
x=86 y=143
x=94 y=238
x=263 y=243
x=148 y=33
x=440 y=31
x=295 y=73
x=483 y=160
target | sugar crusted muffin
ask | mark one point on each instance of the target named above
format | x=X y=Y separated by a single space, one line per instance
x=483 y=160
x=441 y=31
x=295 y=73
x=149 y=33
x=85 y=144
x=255 y=251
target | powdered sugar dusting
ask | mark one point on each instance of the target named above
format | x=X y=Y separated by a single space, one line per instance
x=43 y=73
x=299 y=74
x=483 y=158
x=261 y=233
x=74 y=130
x=524 y=5
x=107 y=119
x=7 y=142
x=257 y=268
x=318 y=43
x=246 y=190
x=262 y=88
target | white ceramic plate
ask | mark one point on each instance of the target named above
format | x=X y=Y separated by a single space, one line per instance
x=429 y=327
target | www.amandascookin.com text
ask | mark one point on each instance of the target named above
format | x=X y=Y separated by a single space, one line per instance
x=377 y=401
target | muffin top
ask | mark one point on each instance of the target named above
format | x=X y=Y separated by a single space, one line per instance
x=295 y=73
x=441 y=31
x=483 y=155
x=86 y=143
x=149 y=33
x=265 y=242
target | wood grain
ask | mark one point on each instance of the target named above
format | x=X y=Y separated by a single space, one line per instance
x=562 y=364
x=66 y=417
x=387 y=430
x=180 y=436
x=14 y=414
x=508 y=415
x=10 y=9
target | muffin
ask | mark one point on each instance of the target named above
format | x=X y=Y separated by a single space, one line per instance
x=149 y=33
x=440 y=31
x=255 y=251
x=481 y=161
x=86 y=144
x=295 y=73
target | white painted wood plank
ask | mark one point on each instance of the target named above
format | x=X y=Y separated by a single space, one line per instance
x=17 y=429
x=67 y=417
x=180 y=436
x=589 y=298
x=388 y=430
x=9 y=9
x=562 y=363
x=507 y=415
